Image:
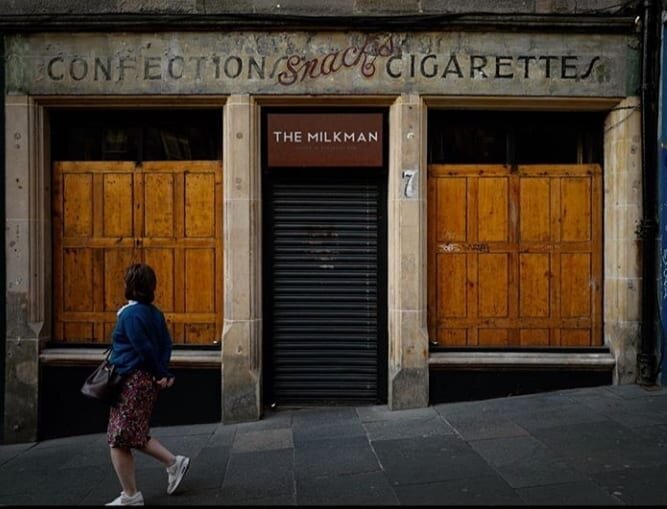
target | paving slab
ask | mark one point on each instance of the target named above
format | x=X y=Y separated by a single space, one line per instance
x=334 y=456
x=370 y=488
x=603 y=445
x=636 y=486
x=525 y=461
x=262 y=474
x=430 y=459
x=405 y=428
x=577 y=493
x=487 y=490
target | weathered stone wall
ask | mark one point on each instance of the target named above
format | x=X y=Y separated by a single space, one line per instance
x=312 y=7
x=297 y=62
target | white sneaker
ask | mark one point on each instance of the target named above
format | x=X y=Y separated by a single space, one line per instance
x=124 y=499
x=177 y=472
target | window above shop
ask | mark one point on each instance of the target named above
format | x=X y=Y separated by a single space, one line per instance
x=136 y=135
x=514 y=137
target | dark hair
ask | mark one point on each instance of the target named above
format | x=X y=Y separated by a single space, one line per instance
x=140 y=283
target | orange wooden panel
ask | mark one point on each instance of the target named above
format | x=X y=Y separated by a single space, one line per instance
x=78 y=331
x=200 y=333
x=199 y=280
x=534 y=213
x=452 y=292
x=108 y=331
x=118 y=206
x=452 y=337
x=575 y=209
x=575 y=337
x=159 y=205
x=535 y=232
x=78 y=205
x=77 y=279
x=493 y=285
x=534 y=287
x=116 y=262
x=200 y=205
x=451 y=200
x=140 y=213
x=575 y=281
x=534 y=337
x=162 y=262
x=493 y=337
x=492 y=209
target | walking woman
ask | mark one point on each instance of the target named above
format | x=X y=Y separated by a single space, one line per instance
x=141 y=349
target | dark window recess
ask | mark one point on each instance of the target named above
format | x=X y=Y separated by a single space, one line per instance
x=514 y=137
x=136 y=135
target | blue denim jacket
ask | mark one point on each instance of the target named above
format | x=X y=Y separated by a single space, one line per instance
x=141 y=340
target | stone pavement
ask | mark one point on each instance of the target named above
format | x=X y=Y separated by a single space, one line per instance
x=604 y=445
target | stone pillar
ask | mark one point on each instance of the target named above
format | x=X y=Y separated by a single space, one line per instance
x=27 y=252
x=622 y=214
x=406 y=257
x=242 y=332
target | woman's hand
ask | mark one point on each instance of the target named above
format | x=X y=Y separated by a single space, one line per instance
x=165 y=382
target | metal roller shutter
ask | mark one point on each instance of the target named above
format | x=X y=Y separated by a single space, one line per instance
x=324 y=290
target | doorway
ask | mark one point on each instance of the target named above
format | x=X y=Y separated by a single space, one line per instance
x=324 y=235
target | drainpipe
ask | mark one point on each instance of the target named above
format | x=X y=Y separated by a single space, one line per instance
x=648 y=228
x=3 y=264
x=662 y=202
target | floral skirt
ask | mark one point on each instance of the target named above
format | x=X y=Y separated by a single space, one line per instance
x=129 y=420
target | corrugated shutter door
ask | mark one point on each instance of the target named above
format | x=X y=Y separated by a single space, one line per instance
x=324 y=291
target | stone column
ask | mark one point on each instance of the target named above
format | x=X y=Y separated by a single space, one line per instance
x=622 y=214
x=242 y=332
x=406 y=257
x=27 y=251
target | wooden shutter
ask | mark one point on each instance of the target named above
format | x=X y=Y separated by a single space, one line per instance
x=515 y=256
x=107 y=215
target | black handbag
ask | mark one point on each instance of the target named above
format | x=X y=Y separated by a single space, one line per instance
x=104 y=383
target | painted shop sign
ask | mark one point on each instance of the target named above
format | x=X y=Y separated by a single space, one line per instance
x=324 y=139
x=331 y=63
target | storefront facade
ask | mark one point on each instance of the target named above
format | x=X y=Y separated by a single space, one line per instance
x=320 y=253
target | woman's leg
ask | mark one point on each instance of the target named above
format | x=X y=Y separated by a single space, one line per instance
x=123 y=464
x=158 y=451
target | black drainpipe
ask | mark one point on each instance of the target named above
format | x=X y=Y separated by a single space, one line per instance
x=3 y=264
x=648 y=228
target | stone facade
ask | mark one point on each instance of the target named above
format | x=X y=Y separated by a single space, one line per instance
x=241 y=72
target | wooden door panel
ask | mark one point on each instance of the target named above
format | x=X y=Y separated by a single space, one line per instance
x=78 y=208
x=576 y=288
x=199 y=333
x=575 y=337
x=452 y=288
x=199 y=272
x=78 y=288
x=534 y=210
x=162 y=261
x=159 y=219
x=534 y=337
x=116 y=262
x=492 y=209
x=78 y=331
x=199 y=205
x=452 y=337
x=534 y=290
x=451 y=207
x=493 y=337
x=527 y=271
x=493 y=285
x=108 y=215
x=117 y=205
x=575 y=209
